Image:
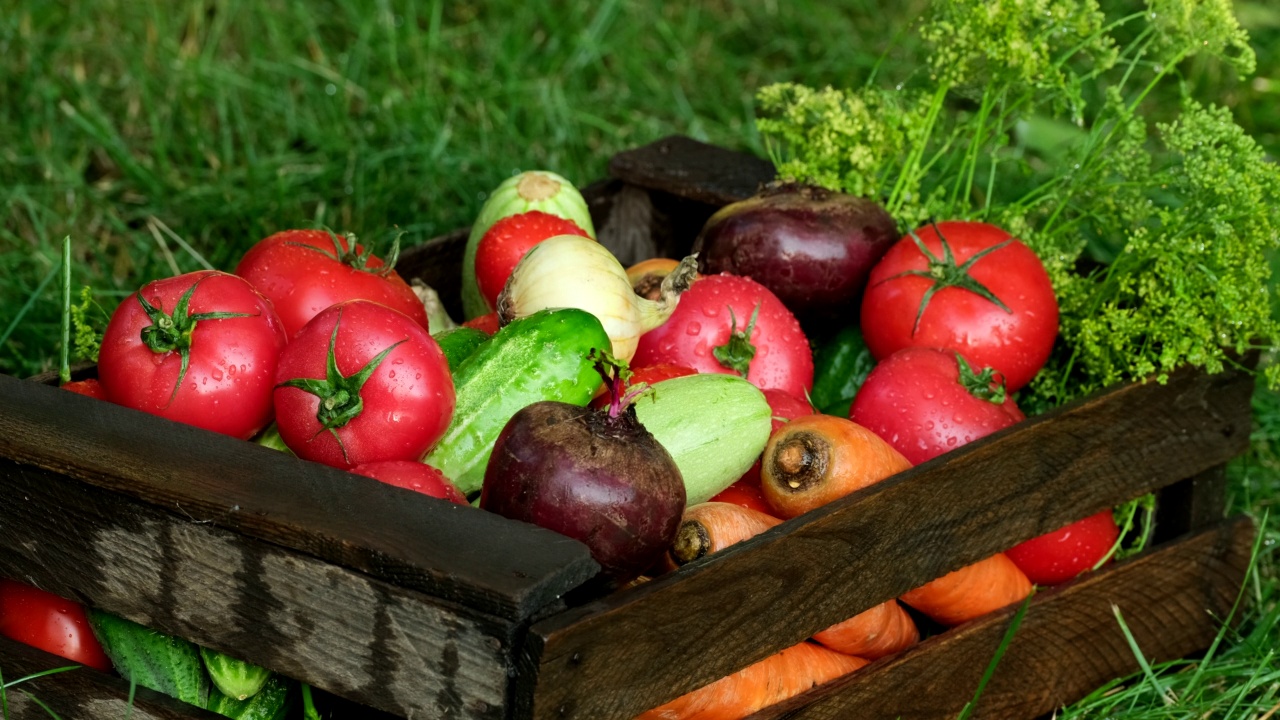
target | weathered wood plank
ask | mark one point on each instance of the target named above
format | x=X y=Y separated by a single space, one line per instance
x=1173 y=599
x=618 y=656
x=356 y=636
x=81 y=694
x=456 y=553
x=694 y=170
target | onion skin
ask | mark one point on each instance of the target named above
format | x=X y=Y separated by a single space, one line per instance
x=602 y=480
x=811 y=247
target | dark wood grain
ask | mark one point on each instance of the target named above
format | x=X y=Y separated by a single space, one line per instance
x=687 y=168
x=618 y=656
x=83 y=693
x=1173 y=599
x=420 y=543
x=356 y=636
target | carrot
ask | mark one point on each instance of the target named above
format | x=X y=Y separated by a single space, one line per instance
x=770 y=681
x=884 y=630
x=815 y=459
x=972 y=591
x=711 y=526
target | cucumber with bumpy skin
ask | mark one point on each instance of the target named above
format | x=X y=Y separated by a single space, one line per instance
x=236 y=679
x=530 y=190
x=163 y=663
x=269 y=703
x=714 y=426
x=544 y=356
x=458 y=343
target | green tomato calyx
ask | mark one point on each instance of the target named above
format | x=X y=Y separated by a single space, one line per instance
x=738 y=352
x=944 y=272
x=983 y=385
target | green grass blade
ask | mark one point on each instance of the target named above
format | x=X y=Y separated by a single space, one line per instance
x=1005 y=641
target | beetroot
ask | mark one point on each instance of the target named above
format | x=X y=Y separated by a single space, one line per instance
x=597 y=476
x=811 y=247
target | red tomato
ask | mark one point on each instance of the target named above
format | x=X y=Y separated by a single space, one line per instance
x=487 y=323
x=503 y=244
x=746 y=493
x=413 y=475
x=718 y=306
x=89 y=388
x=923 y=403
x=964 y=312
x=53 y=624
x=649 y=374
x=305 y=271
x=1061 y=555
x=386 y=383
x=230 y=362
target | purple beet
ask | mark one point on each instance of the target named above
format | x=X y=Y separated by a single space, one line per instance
x=811 y=247
x=597 y=476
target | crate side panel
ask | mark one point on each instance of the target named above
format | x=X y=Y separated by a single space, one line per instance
x=691 y=169
x=1173 y=599
x=623 y=654
x=454 y=552
x=350 y=634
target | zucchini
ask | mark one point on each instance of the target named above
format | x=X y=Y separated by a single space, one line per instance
x=544 y=356
x=530 y=190
x=163 y=663
x=715 y=427
x=237 y=679
x=840 y=366
x=458 y=344
x=269 y=703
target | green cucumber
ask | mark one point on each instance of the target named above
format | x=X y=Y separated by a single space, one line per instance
x=530 y=190
x=163 y=663
x=840 y=366
x=235 y=678
x=544 y=356
x=458 y=344
x=715 y=427
x=269 y=703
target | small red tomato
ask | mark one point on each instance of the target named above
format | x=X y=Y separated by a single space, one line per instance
x=1061 y=555
x=303 y=272
x=89 y=388
x=733 y=325
x=53 y=624
x=507 y=240
x=362 y=383
x=199 y=348
x=926 y=402
x=487 y=323
x=746 y=493
x=968 y=287
x=413 y=475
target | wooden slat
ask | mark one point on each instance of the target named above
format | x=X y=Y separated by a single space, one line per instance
x=358 y=637
x=618 y=656
x=456 y=553
x=81 y=694
x=1173 y=599
x=694 y=170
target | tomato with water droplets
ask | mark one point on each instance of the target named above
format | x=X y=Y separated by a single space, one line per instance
x=362 y=383
x=1061 y=555
x=54 y=624
x=925 y=402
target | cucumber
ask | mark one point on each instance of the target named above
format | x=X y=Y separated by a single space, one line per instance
x=840 y=366
x=152 y=659
x=530 y=190
x=236 y=679
x=715 y=427
x=458 y=344
x=544 y=356
x=269 y=703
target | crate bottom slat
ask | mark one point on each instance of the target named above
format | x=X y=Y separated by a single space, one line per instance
x=1173 y=598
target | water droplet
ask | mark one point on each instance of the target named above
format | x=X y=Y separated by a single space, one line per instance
x=231 y=369
x=391 y=375
x=711 y=311
x=330 y=89
x=693 y=328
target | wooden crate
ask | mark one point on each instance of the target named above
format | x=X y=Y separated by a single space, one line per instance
x=419 y=608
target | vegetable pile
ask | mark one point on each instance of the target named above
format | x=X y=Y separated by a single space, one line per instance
x=926 y=275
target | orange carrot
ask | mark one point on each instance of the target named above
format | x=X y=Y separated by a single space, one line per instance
x=884 y=630
x=770 y=681
x=972 y=591
x=712 y=526
x=646 y=276
x=815 y=459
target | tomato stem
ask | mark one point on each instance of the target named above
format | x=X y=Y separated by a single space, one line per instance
x=738 y=352
x=983 y=385
x=945 y=273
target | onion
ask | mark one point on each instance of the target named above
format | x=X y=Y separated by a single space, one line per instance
x=811 y=247
x=577 y=272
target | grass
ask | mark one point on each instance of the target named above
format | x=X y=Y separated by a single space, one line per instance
x=165 y=137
